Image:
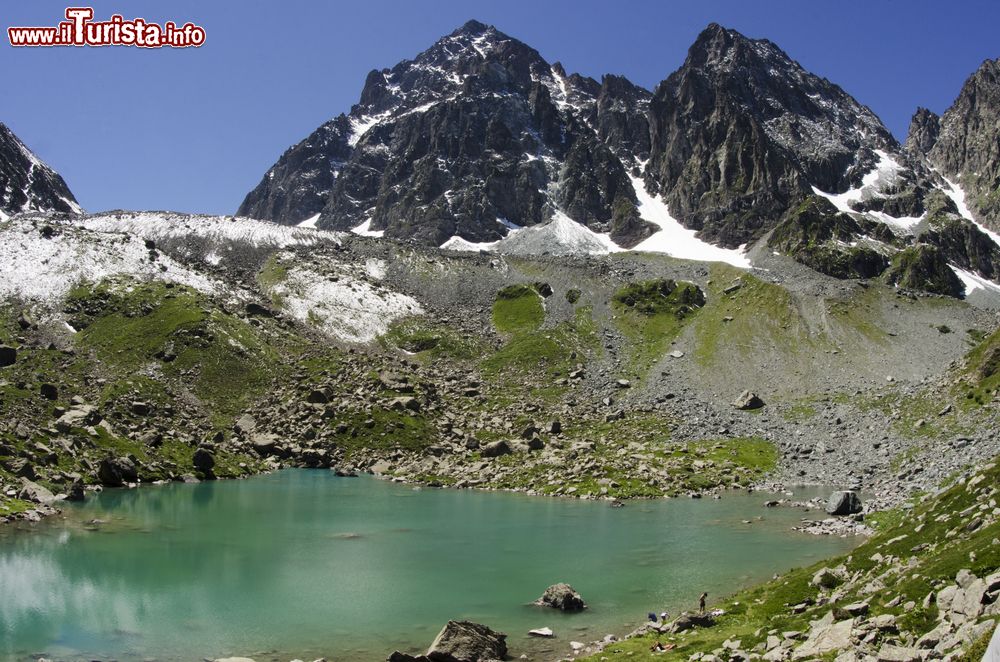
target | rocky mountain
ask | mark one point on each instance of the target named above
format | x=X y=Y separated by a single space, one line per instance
x=475 y=136
x=741 y=132
x=27 y=184
x=478 y=139
x=967 y=145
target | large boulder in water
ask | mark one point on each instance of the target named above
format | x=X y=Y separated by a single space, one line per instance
x=117 y=471
x=464 y=641
x=846 y=502
x=561 y=596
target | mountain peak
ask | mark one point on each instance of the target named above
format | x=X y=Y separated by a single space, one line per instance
x=472 y=28
x=27 y=184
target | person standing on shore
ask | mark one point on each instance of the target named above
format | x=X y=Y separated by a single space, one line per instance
x=701 y=602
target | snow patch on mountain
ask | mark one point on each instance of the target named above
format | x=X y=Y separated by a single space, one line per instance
x=676 y=240
x=560 y=236
x=309 y=222
x=347 y=308
x=957 y=195
x=43 y=269
x=365 y=230
x=974 y=282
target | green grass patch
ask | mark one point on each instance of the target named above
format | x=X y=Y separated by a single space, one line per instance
x=518 y=309
x=651 y=314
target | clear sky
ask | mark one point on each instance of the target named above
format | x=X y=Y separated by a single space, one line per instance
x=194 y=130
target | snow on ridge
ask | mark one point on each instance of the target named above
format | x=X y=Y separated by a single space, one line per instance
x=361 y=125
x=349 y=308
x=676 y=240
x=44 y=270
x=212 y=229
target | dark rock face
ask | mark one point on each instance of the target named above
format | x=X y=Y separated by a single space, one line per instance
x=924 y=267
x=741 y=132
x=968 y=147
x=204 y=461
x=843 y=503
x=27 y=184
x=475 y=134
x=923 y=133
x=563 y=597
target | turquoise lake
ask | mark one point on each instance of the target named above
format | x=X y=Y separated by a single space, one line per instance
x=305 y=564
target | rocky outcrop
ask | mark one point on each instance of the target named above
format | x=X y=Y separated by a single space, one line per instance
x=924 y=267
x=27 y=184
x=923 y=133
x=561 y=596
x=968 y=147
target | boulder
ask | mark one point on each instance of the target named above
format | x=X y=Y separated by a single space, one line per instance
x=828 y=577
x=542 y=632
x=140 y=408
x=234 y=659
x=496 y=449
x=825 y=637
x=405 y=402
x=464 y=641
x=49 y=391
x=318 y=397
x=843 y=503
x=116 y=471
x=890 y=653
x=8 y=356
x=689 y=621
x=561 y=596
x=245 y=424
x=76 y=492
x=78 y=417
x=35 y=493
x=748 y=400
x=265 y=444
x=204 y=461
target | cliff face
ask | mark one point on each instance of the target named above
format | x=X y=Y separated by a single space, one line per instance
x=27 y=184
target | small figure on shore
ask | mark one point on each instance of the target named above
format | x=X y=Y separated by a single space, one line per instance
x=658 y=647
x=701 y=602
x=651 y=616
x=663 y=618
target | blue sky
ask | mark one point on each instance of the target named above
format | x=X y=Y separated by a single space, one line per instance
x=194 y=130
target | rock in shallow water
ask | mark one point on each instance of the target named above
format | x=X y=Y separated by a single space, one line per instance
x=843 y=503
x=561 y=596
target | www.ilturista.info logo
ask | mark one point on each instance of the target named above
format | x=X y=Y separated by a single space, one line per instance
x=79 y=29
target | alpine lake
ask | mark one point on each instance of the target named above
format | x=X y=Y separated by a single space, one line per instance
x=305 y=564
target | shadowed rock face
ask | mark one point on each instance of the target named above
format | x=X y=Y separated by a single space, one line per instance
x=741 y=132
x=27 y=184
x=968 y=147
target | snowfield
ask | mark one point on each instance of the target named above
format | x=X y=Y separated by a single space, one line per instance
x=44 y=270
x=343 y=306
x=564 y=236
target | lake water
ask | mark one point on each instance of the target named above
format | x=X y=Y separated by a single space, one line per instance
x=305 y=564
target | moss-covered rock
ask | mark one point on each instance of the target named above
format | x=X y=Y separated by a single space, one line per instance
x=815 y=234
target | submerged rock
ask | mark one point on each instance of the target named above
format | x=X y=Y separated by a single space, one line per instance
x=561 y=596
